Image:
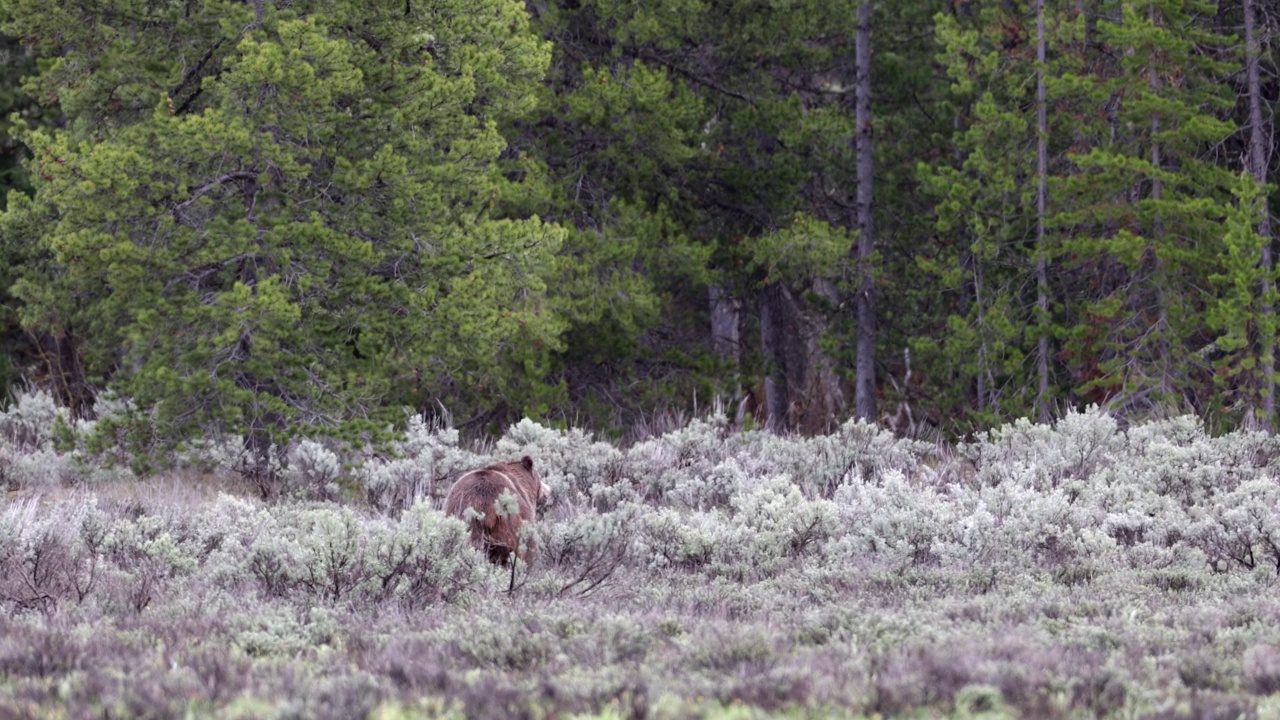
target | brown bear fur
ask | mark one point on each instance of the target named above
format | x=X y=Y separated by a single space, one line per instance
x=496 y=535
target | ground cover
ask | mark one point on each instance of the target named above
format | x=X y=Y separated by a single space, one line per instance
x=1075 y=570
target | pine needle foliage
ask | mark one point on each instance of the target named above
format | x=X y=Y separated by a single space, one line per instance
x=270 y=218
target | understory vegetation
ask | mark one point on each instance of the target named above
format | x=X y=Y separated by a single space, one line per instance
x=1082 y=569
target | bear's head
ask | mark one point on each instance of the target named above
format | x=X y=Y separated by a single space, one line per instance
x=544 y=492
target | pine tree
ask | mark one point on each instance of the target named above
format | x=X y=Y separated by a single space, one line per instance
x=1143 y=202
x=15 y=62
x=990 y=209
x=1242 y=312
x=271 y=218
x=753 y=139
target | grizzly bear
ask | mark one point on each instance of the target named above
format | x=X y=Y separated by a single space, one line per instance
x=495 y=530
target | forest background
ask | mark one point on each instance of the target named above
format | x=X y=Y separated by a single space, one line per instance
x=282 y=218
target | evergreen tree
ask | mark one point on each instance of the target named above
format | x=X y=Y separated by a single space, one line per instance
x=275 y=218
x=1143 y=203
x=990 y=256
x=731 y=127
x=1242 y=313
x=15 y=62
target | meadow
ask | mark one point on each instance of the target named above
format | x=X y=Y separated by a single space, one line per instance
x=1079 y=570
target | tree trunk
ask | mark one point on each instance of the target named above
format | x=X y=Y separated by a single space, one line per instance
x=824 y=402
x=726 y=342
x=1258 y=153
x=726 y=314
x=1042 y=193
x=784 y=355
x=865 y=370
x=1167 y=382
x=68 y=383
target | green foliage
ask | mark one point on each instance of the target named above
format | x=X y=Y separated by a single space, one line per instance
x=15 y=61
x=301 y=235
x=805 y=248
x=1138 y=334
x=1243 y=311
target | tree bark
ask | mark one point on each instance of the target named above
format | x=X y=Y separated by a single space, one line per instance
x=1258 y=153
x=865 y=370
x=1167 y=382
x=726 y=312
x=60 y=358
x=1042 y=193
x=824 y=403
x=784 y=355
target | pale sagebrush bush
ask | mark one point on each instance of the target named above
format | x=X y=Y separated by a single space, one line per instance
x=708 y=490
x=601 y=496
x=571 y=462
x=30 y=457
x=422 y=559
x=419 y=468
x=1043 y=456
x=313 y=552
x=1262 y=669
x=893 y=519
x=278 y=630
x=781 y=521
x=46 y=468
x=275 y=561
x=99 y=445
x=1146 y=519
x=48 y=558
x=147 y=558
x=660 y=464
x=331 y=553
x=499 y=639
x=311 y=471
x=227 y=531
x=30 y=421
x=1176 y=459
x=230 y=454
x=589 y=547
x=1242 y=528
x=690 y=540
x=41 y=446
x=858 y=452
x=216 y=453
x=41 y=468
x=1012 y=528
x=1133 y=511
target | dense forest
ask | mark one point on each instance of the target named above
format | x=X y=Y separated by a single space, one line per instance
x=276 y=217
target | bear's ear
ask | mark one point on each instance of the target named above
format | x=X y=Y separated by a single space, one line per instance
x=527 y=462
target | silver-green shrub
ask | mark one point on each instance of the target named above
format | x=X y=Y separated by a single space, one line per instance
x=892 y=519
x=780 y=521
x=1242 y=528
x=1044 y=456
x=42 y=447
x=311 y=471
x=30 y=421
x=662 y=464
x=590 y=547
x=571 y=462
x=48 y=556
x=688 y=540
x=418 y=468
x=424 y=557
x=858 y=452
